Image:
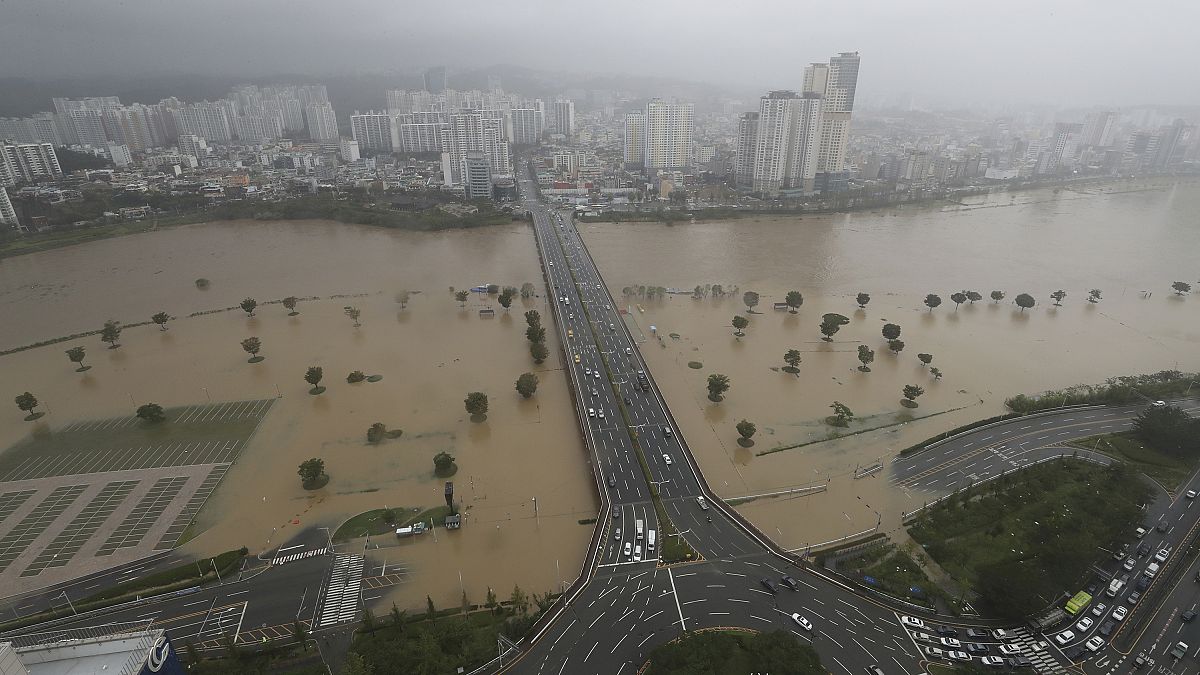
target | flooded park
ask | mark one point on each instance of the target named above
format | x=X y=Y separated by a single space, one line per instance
x=1130 y=240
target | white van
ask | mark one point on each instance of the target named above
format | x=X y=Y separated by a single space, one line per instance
x=639 y=527
x=650 y=537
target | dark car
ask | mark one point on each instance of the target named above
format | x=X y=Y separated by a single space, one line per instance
x=790 y=583
x=977 y=633
x=1133 y=597
x=1143 y=550
x=1107 y=627
x=612 y=481
x=946 y=631
x=1187 y=616
x=1162 y=526
x=977 y=649
x=1019 y=662
x=1143 y=583
x=1075 y=653
x=766 y=583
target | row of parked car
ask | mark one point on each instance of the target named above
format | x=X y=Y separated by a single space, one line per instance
x=946 y=646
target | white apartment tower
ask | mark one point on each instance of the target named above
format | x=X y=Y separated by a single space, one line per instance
x=786 y=142
x=635 y=139
x=564 y=117
x=8 y=215
x=477 y=176
x=836 y=82
x=372 y=130
x=1098 y=128
x=321 y=122
x=527 y=126
x=472 y=132
x=27 y=162
x=668 y=135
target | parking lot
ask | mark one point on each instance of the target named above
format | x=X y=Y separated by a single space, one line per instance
x=100 y=493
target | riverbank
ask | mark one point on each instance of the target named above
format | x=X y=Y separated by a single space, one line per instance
x=304 y=208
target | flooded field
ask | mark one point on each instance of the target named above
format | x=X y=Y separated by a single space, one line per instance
x=430 y=355
x=1122 y=240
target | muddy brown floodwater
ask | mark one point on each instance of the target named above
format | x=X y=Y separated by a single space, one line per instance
x=1122 y=239
x=431 y=354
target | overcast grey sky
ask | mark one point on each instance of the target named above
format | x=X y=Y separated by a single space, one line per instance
x=943 y=52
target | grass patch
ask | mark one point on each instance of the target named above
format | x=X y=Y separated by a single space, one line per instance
x=894 y=572
x=1114 y=391
x=372 y=523
x=902 y=419
x=587 y=521
x=1127 y=447
x=735 y=651
x=1024 y=539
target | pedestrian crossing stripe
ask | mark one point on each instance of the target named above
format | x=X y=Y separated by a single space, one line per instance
x=340 y=601
x=280 y=560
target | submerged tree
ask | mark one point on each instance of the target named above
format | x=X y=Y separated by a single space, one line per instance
x=866 y=355
x=739 y=325
x=842 y=414
x=1057 y=297
x=161 y=319
x=794 y=300
x=862 y=299
x=911 y=392
x=896 y=346
x=792 y=358
x=997 y=296
x=111 y=333
x=252 y=345
x=746 y=430
x=718 y=384
x=248 y=305
x=750 y=298
x=974 y=296
x=891 y=331
x=532 y=318
x=1094 y=295
x=289 y=303
x=313 y=376
x=77 y=354
x=151 y=412
x=1024 y=301
x=1181 y=287
x=476 y=403
x=925 y=358
x=461 y=297
x=26 y=402
x=354 y=313
x=958 y=299
x=932 y=301
x=311 y=471
x=527 y=384
x=538 y=351
x=936 y=372
x=831 y=324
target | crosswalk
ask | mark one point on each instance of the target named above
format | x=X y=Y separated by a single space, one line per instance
x=340 y=601
x=1037 y=651
x=283 y=559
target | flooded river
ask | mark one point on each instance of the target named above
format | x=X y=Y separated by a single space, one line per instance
x=1121 y=239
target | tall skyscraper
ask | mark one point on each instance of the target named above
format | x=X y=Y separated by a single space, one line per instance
x=786 y=142
x=372 y=130
x=435 y=79
x=27 y=162
x=527 y=126
x=89 y=127
x=472 y=132
x=321 y=121
x=635 y=139
x=563 y=117
x=747 y=142
x=836 y=82
x=477 y=176
x=1098 y=128
x=668 y=134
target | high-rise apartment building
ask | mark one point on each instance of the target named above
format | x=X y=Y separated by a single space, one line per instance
x=435 y=79
x=8 y=215
x=836 y=82
x=373 y=131
x=206 y=119
x=747 y=143
x=1098 y=128
x=1051 y=157
x=527 y=126
x=190 y=144
x=119 y=154
x=348 y=149
x=472 y=132
x=634 y=142
x=668 y=135
x=786 y=142
x=321 y=121
x=27 y=162
x=563 y=117
x=89 y=127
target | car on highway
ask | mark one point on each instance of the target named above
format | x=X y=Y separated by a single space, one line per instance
x=999 y=633
x=1096 y=643
x=1084 y=624
x=1019 y=662
x=612 y=481
x=1010 y=650
x=628 y=549
x=617 y=533
x=1190 y=494
x=912 y=622
x=667 y=459
x=576 y=358
x=959 y=656
x=1143 y=583
x=946 y=631
x=1133 y=597
x=1188 y=616
x=802 y=622
x=1140 y=532
x=629 y=350
x=1120 y=552
x=917 y=635
x=1162 y=526
x=790 y=582
x=977 y=633
x=596 y=373
x=704 y=507
x=1130 y=563
x=1064 y=637
x=874 y=670
x=591 y=412
x=1150 y=570
x=1158 y=404
x=1119 y=613
x=595 y=393
x=935 y=653
x=1099 y=608
x=1143 y=550
x=637 y=553
x=766 y=583
x=1163 y=554
x=600 y=413
x=552 y=263
x=950 y=642
x=993 y=661
x=976 y=649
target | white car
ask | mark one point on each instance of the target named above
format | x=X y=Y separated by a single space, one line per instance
x=587 y=371
x=802 y=622
x=1095 y=644
x=935 y=653
x=1064 y=637
x=1010 y=650
x=600 y=413
x=1099 y=608
x=617 y=533
x=591 y=412
x=637 y=553
x=918 y=635
x=1162 y=554
x=628 y=549
x=667 y=459
x=999 y=633
x=1190 y=494
x=959 y=656
x=596 y=373
x=552 y=263
x=1158 y=404
x=1084 y=624
x=571 y=317
x=1119 y=613
x=950 y=642
x=993 y=661
x=1130 y=563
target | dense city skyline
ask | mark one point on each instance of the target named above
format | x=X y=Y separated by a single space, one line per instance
x=933 y=53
